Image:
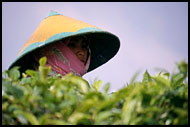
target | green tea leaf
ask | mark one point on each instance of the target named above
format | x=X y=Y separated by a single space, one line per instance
x=97 y=84
x=10 y=89
x=103 y=116
x=31 y=72
x=78 y=81
x=77 y=117
x=14 y=73
x=146 y=77
x=183 y=67
x=29 y=116
x=167 y=74
x=43 y=61
x=44 y=70
x=106 y=88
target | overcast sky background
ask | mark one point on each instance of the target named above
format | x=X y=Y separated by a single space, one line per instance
x=151 y=34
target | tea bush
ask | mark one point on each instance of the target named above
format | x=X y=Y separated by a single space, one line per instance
x=34 y=98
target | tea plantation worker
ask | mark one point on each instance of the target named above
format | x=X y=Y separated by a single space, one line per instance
x=70 y=45
x=69 y=55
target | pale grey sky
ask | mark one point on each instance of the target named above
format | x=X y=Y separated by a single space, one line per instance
x=151 y=34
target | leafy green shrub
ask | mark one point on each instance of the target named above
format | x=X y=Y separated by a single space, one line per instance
x=38 y=99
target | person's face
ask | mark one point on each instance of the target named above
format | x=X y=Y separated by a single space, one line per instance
x=79 y=46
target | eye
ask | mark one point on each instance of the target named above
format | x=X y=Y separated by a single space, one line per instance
x=85 y=44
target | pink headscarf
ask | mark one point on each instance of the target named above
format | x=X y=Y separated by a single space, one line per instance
x=62 y=59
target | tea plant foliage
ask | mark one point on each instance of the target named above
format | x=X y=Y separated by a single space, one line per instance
x=34 y=98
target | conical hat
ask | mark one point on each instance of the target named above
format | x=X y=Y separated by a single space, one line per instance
x=104 y=45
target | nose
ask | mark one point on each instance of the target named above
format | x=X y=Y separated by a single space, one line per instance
x=81 y=55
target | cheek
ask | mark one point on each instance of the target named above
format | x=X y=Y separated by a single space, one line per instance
x=73 y=50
